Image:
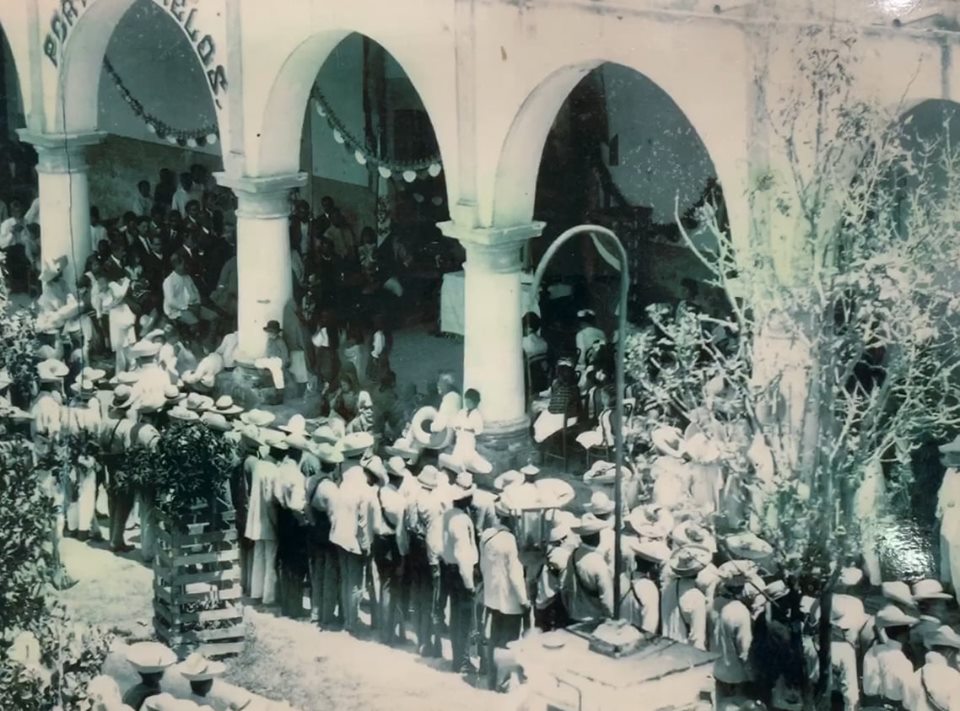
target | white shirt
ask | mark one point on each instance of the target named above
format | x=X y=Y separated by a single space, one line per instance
x=7 y=237
x=683 y=609
x=936 y=679
x=180 y=200
x=425 y=517
x=321 y=339
x=261 y=511
x=379 y=344
x=98 y=234
x=179 y=294
x=387 y=513
x=732 y=639
x=504 y=588
x=350 y=518
x=886 y=671
x=228 y=349
x=149 y=389
x=643 y=603
x=449 y=407
x=460 y=544
x=142 y=206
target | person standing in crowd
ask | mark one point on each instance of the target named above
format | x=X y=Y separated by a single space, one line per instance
x=641 y=602
x=733 y=637
x=504 y=588
x=165 y=189
x=300 y=227
x=262 y=472
x=550 y=614
x=142 y=201
x=182 y=195
x=390 y=550
x=457 y=568
x=683 y=606
x=98 y=233
x=425 y=523
x=887 y=671
x=351 y=533
x=587 y=587
x=321 y=492
x=292 y=549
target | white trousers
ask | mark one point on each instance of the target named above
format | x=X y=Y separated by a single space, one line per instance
x=263 y=572
x=80 y=514
x=275 y=366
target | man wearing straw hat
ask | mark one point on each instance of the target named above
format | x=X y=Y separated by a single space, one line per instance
x=504 y=587
x=458 y=562
x=321 y=490
x=887 y=671
x=261 y=525
x=550 y=614
x=390 y=550
x=683 y=606
x=351 y=532
x=149 y=391
x=425 y=528
x=936 y=685
x=587 y=589
x=948 y=516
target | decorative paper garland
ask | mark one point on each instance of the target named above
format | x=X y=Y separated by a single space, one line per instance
x=407 y=171
x=207 y=135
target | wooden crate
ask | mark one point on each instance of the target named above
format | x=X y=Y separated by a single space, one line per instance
x=196 y=585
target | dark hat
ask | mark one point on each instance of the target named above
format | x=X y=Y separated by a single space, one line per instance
x=272 y=327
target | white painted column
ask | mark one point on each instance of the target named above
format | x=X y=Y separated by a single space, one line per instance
x=64 y=196
x=492 y=350
x=265 y=281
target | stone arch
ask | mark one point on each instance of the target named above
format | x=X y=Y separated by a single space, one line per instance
x=518 y=165
x=79 y=64
x=19 y=54
x=277 y=145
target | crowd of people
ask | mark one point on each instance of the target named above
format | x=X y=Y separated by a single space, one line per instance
x=372 y=503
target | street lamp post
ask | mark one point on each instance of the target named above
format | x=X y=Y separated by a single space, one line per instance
x=621 y=338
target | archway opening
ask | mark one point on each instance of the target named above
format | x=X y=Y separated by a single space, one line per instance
x=18 y=183
x=364 y=228
x=621 y=153
x=927 y=182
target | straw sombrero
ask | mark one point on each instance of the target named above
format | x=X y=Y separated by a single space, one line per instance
x=686 y=562
x=150 y=657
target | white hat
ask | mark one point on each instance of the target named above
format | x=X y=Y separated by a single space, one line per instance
x=463 y=487
x=701 y=449
x=692 y=533
x=600 y=504
x=260 y=418
x=215 y=421
x=748 y=545
x=52 y=369
x=846 y=612
x=943 y=636
x=668 y=441
x=892 y=616
x=273 y=439
x=650 y=521
x=374 y=465
x=197 y=667
x=295 y=425
x=144 y=349
x=688 y=561
x=397 y=466
x=929 y=590
x=530 y=470
x=150 y=657
x=589 y=524
x=199 y=403
x=92 y=374
x=509 y=478
x=356 y=443
x=655 y=551
x=179 y=412
x=226 y=406
x=899 y=592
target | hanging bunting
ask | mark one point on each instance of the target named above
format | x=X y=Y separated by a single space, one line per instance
x=409 y=171
x=207 y=135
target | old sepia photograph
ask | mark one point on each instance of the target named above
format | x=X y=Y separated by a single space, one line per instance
x=479 y=355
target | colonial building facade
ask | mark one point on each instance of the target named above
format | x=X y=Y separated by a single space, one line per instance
x=492 y=75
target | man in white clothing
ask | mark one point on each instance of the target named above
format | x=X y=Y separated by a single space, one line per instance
x=934 y=687
x=261 y=527
x=504 y=588
x=390 y=547
x=425 y=524
x=458 y=560
x=148 y=393
x=887 y=672
x=181 y=299
x=352 y=533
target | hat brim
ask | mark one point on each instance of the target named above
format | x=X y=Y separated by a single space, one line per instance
x=933 y=596
x=232 y=410
x=459 y=493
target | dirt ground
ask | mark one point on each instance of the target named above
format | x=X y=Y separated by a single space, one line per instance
x=284 y=659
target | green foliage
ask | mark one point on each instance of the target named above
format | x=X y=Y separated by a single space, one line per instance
x=45 y=661
x=192 y=464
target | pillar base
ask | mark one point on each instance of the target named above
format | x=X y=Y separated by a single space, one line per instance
x=506 y=446
x=249 y=386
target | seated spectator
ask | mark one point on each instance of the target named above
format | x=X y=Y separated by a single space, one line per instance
x=174 y=355
x=277 y=358
x=98 y=233
x=342 y=237
x=564 y=402
x=181 y=299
